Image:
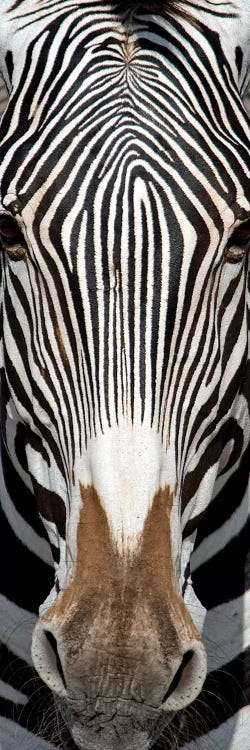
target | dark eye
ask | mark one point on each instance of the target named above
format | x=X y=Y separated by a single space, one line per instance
x=239 y=243
x=11 y=238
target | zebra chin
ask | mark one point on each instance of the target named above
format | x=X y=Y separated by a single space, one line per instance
x=112 y=739
x=132 y=731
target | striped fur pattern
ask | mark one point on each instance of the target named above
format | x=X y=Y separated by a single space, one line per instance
x=125 y=326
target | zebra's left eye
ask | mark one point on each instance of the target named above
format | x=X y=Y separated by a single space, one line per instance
x=11 y=238
x=238 y=244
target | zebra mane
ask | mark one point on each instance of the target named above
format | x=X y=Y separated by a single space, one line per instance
x=154 y=5
x=163 y=7
x=178 y=7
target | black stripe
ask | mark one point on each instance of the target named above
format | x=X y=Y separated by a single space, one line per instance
x=227 y=574
x=25 y=580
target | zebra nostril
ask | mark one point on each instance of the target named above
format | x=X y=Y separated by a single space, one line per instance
x=178 y=675
x=53 y=645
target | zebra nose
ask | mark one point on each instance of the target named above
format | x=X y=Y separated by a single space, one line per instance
x=47 y=661
x=187 y=679
x=185 y=683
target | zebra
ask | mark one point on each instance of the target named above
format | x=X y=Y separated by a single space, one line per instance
x=124 y=226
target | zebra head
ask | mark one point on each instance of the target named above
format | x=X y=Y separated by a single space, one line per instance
x=124 y=223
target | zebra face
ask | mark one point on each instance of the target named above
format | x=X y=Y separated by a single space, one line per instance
x=124 y=226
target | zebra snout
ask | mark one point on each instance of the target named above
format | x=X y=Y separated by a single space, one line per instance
x=112 y=699
x=121 y=674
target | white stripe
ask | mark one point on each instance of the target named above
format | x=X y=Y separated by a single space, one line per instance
x=233 y=734
x=218 y=540
x=14 y=737
x=226 y=631
x=10 y=694
x=16 y=627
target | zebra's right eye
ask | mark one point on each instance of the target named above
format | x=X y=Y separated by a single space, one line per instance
x=238 y=244
x=11 y=238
